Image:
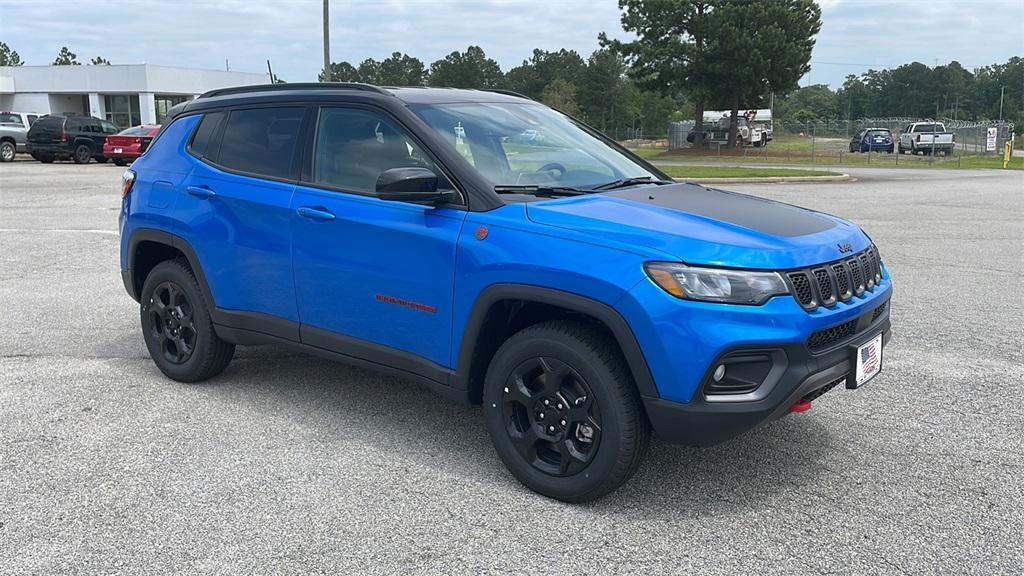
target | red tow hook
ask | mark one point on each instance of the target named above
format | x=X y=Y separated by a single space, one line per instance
x=802 y=405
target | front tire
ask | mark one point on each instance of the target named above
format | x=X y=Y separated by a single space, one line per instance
x=177 y=327
x=563 y=412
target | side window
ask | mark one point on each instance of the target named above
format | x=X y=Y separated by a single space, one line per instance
x=354 y=147
x=7 y=118
x=200 y=146
x=32 y=119
x=261 y=141
x=109 y=128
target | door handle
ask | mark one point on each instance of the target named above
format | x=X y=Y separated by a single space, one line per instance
x=200 y=191
x=315 y=213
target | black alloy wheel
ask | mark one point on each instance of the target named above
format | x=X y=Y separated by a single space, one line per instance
x=551 y=416
x=563 y=411
x=170 y=322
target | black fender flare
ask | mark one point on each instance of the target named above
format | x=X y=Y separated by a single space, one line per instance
x=140 y=235
x=602 y=312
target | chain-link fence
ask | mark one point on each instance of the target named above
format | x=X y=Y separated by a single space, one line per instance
x=842 y=141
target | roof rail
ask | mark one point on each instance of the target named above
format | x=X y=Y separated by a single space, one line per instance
x=295 y=86
x=507 y=93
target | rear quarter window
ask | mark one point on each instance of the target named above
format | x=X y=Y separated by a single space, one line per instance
x=200 y=145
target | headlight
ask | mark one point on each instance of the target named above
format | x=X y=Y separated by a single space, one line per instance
x=716 y=284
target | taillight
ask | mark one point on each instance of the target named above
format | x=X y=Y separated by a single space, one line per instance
x=63 y=136
x=127 y=181
x=137 y=140
x=918 y=139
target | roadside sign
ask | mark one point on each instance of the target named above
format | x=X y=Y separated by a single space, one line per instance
x=990 y=142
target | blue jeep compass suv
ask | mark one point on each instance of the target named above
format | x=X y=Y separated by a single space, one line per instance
x=501 y=253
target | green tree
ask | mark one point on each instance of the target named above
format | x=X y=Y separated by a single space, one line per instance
x=607 y=98
x=341 y=72
x=561 y=95
x=469 y=69
x=671 y=52
x=9 y=57
x=66 y=58
x=815 y=102
x=99 y=60
x=401 y=70
x=532 y=76
x=761 y=47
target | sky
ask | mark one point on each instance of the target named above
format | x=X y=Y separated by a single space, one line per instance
x=856 y=34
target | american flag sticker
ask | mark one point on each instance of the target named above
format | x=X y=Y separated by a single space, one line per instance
x=870 y=360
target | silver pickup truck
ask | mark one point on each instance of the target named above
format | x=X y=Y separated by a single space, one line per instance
x=927 y=138
x=13 y=130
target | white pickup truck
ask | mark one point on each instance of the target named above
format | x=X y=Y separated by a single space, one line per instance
x=926 y=138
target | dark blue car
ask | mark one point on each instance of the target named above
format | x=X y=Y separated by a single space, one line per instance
x=873 y=140
x=576 y=292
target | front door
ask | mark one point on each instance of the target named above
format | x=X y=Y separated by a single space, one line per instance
x=371 y=275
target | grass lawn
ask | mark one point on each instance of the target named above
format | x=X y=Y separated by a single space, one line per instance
x=790 y=153
x=738 y=172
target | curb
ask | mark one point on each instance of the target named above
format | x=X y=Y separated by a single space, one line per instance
x=769 y=179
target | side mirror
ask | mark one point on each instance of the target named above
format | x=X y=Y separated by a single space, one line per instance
x=412 y=184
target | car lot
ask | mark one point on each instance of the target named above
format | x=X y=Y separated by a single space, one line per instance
x=288 y=463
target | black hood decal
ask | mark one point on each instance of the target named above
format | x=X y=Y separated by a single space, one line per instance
x=762 y=215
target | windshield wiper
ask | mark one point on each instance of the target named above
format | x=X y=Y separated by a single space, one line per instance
x=536 y=190
x=622 y=183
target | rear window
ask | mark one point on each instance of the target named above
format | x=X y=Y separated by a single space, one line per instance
x=136 y=131
x=928 y=128
x=878 y=133
x=204 y=134
x=261 y=141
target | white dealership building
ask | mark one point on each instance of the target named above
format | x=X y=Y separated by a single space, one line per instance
x=127 y=95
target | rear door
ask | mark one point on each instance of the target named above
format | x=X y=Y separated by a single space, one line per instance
x=235 y=210
x=370 y=272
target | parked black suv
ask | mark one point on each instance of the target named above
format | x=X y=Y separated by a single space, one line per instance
x=76 y=137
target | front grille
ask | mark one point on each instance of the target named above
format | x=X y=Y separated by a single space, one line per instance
x=802 y=290
x=826 y=337
x=838 y=281
x=822 y=338
x=878 y=311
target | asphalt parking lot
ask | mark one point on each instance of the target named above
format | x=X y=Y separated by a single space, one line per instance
x=293 y=464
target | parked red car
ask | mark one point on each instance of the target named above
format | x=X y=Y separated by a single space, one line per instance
x=127 y=145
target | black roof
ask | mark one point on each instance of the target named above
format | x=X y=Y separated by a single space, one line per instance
x=334 y=91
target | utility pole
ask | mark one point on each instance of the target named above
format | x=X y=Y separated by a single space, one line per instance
x=1001 y=90
x=327 y=42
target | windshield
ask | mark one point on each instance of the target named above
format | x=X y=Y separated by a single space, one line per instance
x=525 y=144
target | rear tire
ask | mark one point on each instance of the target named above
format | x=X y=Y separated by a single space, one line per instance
x=177 y=327
x=571 y=425
x=82 y=154
x=7 y=151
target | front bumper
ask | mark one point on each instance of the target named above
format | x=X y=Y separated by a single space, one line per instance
x=705 y=423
